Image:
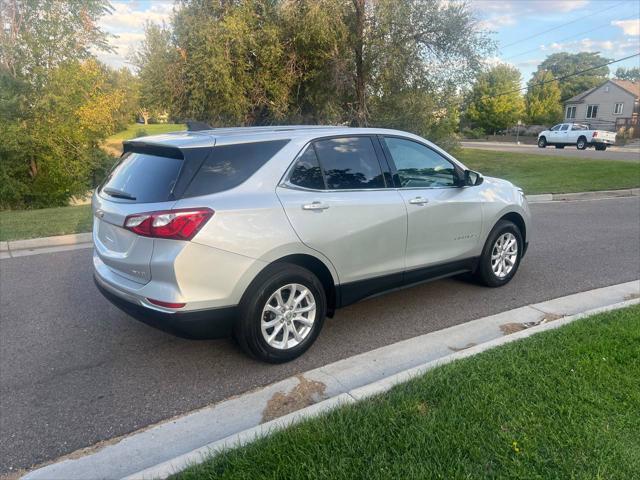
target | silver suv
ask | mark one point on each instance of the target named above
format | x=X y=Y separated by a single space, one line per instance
x=263 y=232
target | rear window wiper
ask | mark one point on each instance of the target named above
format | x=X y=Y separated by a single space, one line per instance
x=118 y=193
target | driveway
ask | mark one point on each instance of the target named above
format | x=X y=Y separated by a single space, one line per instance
x=612 y=153
x=75 y=370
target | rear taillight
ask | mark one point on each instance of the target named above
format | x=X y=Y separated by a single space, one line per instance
x=595 y=134
x=160 y=303
x=180 y=224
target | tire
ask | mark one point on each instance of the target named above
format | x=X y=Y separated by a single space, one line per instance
x=581 y=144
x=601 y=148
x=252 y=334
x=542 y=142
x=485 y=272
x=560 y=146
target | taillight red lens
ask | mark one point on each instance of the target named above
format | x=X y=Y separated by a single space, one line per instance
x=160 y=303
x=595 y=134
x=181 y=224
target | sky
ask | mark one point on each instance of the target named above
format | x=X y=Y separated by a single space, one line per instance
x=526 y=31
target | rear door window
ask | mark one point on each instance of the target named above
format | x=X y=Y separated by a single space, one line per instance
x=349 y=163
x=306 y=172
x=229 y=165
x=143 y=178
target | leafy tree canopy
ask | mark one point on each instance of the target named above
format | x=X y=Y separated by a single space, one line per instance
x=542 y=100
x=495 y=102
x=631 y=74
x=563 y=63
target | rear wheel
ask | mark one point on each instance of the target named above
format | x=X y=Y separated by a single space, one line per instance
x=582 y=143
x=501 y=255
x=542 y=142
x=601 y=147
x=281 y=314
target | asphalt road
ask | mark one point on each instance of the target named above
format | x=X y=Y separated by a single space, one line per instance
x=615 y=153
x=75 y=370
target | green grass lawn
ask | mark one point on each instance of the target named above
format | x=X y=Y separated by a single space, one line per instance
x=113 y=144
x=561 y=404
x=45 y=222
x=135 y=129
x=552 y=174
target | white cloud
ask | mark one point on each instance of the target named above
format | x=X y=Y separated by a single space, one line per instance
x=127 y=24
x=496 y=21
x=126 y=17
x=629 y=27
x=525 y=7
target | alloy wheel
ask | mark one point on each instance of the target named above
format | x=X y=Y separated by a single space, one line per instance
x=504 y=254
x=288 y=316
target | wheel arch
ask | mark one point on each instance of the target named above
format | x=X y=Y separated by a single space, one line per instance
x=318 y=268
x=519 y=222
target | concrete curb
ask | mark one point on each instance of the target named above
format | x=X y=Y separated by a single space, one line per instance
x=35 y=246
x=601 y=194
x=162 y=449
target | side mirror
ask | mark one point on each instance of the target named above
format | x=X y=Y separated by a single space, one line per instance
x=472 y=178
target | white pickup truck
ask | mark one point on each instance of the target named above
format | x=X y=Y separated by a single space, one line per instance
x=576 y=134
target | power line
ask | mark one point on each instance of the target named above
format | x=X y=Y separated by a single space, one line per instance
x=557 y=79
x=562 y=25
x=569 y=37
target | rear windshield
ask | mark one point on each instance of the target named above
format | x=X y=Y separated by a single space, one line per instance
x=142 y=178
x=229 y=165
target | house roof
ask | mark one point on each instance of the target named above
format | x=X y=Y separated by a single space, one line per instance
x=578 y=98
x=631 y=87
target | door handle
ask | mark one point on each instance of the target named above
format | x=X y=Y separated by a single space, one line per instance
x=315 y=206
x=418 y=201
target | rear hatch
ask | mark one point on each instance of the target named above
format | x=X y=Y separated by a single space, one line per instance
x=142 y=181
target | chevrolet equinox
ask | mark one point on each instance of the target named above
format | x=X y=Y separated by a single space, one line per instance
x=262 y=232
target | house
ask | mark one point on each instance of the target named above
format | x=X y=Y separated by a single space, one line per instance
x=611 y=106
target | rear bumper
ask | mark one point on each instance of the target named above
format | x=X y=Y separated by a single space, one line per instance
x=603 y=141
x=200 y=324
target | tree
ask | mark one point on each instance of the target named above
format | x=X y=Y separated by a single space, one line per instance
x=563 y=63
x=339 y=61
x=495 y=102
x=38 y=35
x=418 y=57
x=543 y=99
x=157 y=61
x=57 y=101
x=631 y=74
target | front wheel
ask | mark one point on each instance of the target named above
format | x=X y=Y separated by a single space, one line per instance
x=501 y=255
x=281 y=314
x=542 y=142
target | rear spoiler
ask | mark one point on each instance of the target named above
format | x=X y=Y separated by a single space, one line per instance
x=141 y=146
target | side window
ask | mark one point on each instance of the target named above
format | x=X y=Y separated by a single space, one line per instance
x=564 y=127
x=306 y=172
x=349 y=163
x=556 y=127
x=419 y=166
x=229 y=165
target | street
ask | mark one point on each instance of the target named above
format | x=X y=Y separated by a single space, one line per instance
x=615 y=153
x=76 y=371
